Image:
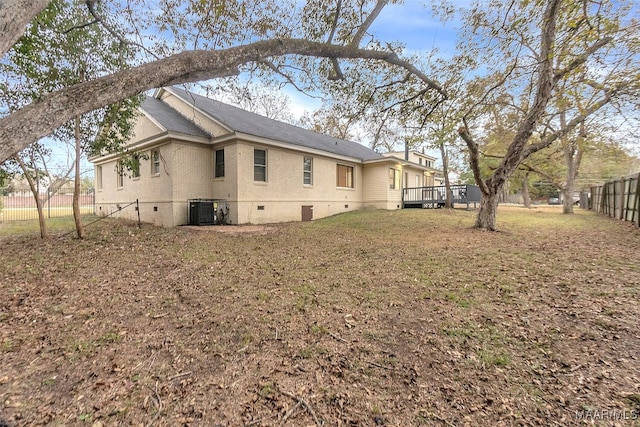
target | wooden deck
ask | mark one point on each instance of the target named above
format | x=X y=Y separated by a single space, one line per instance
x=434 y=197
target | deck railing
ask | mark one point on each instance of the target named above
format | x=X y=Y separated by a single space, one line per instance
x=434 y=196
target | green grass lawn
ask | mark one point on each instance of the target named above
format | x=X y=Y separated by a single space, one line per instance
x=25 y=214
x=55 y=224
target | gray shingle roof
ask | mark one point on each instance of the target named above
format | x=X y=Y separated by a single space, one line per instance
x=245 y=122
x=170 y=119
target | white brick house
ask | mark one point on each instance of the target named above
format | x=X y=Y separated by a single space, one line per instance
x=266 y=171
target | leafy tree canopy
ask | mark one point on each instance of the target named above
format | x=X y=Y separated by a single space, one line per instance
x=179 y=42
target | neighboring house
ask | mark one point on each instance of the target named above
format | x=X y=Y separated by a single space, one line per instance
x=192 y=147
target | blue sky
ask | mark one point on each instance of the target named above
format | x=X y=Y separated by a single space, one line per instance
x=411 y=23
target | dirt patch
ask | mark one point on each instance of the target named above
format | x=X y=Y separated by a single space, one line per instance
x=375 y=318
x=234 y=230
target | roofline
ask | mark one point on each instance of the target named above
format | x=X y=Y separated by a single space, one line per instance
x=273 y=142
x=281 y=144
x=403 y=162
x=386 y=159
x=152 y=141
x=191 y=105
x=412 y=151
x=150 y=117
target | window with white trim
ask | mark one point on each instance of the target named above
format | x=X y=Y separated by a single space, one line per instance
x=307 y=174
x=119 y=174
x=99 y=177
x=219 y=167
x=260 y=165
x=135 y=166
x=155 y=162
x=344 y=176
x=394 y=179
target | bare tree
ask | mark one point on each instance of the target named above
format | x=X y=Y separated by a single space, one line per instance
x=33 y=175
x=573 y=41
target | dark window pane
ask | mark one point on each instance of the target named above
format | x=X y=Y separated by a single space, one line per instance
x=259 y=165
x=219 y=172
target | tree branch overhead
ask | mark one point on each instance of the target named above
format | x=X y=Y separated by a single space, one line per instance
x=52 y=110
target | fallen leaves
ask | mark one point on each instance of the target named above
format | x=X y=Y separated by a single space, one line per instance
x=330 y=322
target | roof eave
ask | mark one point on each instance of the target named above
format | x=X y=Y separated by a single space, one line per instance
x=393 y=153
x=397 y=160
x=281 y=144
x=153 y=141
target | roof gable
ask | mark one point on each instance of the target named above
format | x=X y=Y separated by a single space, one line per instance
x=245 y=122
x=169 y=119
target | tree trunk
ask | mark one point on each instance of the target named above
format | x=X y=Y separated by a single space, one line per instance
x=448 y=203
x=44 y=234
x=567 y=199
x=76 y=183
x=573 y=158
x=486 y=219
x=15 y=15
x=526 y=198
x=518 y=149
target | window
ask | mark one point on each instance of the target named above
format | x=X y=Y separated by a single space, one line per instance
x=219 y=170
x=259 y=165
x=99 y=177
x=155 y=162
x=420 y=160
x=135 y=166
x=119 y=174
x=394 y=179
x=307 y=171
x=344 y=176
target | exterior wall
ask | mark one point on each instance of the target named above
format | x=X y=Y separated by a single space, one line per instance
x=145 y=128
x=153 y=192
x=193 y=114
x=281 y=197
x=187 y=172
x=226 y=188
x=415 y=157
x=377 y=191
x=429 y=180
x=415 y=177
x=193 y=169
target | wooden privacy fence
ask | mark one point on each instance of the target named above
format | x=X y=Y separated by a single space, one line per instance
x=618 y=199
